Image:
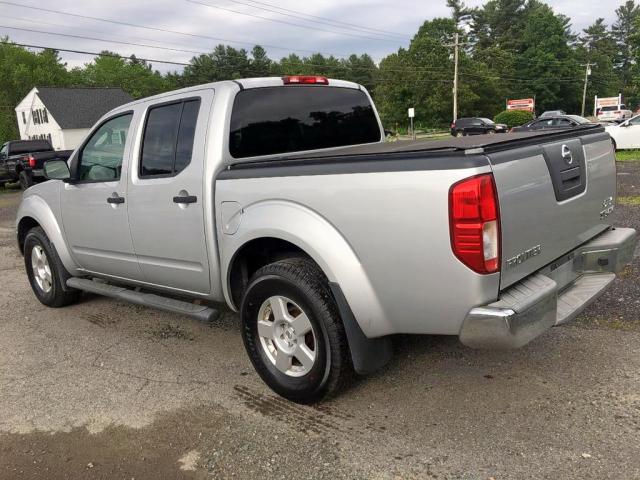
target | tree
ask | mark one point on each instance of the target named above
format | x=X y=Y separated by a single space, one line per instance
x=20 y=71
x=598 y=47
x=622 y=30
x=133 y=75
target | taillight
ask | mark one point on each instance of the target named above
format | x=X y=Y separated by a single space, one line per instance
x=618 y=112
x=31 y=161
x=474 y=216
x=305 y=80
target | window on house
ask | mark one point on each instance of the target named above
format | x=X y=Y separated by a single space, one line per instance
x=24 y=118
x=45 y=116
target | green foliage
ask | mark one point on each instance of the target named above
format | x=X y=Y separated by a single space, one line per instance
x=513 y=118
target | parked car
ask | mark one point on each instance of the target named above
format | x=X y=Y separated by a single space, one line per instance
x=552 y=123
x=476 y=126
x=616 y=113
x=281 y=200
x=553 y=113
x=625 y=135
x=23 y=160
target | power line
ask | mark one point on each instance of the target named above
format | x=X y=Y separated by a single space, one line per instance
x=163 y=30
x=337 y=22
x=101 y=54
x=284 y=22
x=82 y=37
x=320 y=20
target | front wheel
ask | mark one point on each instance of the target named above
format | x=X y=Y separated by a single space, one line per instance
x=293 y=333
x=43 y=270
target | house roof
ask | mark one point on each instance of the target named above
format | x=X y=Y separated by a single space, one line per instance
x=81 y=107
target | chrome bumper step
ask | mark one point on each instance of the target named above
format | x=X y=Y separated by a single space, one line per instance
x=585 y=290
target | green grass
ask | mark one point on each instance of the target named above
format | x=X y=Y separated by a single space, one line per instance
x=629 y=200
x=628 y=156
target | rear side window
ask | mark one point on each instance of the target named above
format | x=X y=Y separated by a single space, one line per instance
x=272 y=120
x=168 y=138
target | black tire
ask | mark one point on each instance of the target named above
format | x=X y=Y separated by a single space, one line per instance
x=26 y=180
x=615 y=147
x=56 y=296
x=301 y=281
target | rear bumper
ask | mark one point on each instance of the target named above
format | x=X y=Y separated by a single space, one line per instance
x=554 y=295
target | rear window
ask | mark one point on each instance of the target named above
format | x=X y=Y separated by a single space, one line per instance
x=611 y=108
x=27 y=146
x=272 y=120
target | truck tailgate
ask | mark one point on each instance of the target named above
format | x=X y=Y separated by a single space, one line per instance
x=554 y=196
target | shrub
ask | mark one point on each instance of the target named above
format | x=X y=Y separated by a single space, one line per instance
x=514 y=118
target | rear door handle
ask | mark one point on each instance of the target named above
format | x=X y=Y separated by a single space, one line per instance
x=115 y=200
x=185 y=199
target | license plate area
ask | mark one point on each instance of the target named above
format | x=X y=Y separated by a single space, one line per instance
x=562 y=271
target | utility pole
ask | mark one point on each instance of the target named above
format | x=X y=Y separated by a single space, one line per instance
x=586 y=82
x=455 y=77
x=456 y=55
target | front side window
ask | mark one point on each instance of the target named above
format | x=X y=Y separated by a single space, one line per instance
x=273 y=120
x=101 y=157
x=168 y=139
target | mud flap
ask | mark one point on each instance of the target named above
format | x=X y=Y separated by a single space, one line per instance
x=367 y=354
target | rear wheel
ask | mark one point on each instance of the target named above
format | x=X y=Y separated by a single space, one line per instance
x=43 y=269
x=26 y=180
x=293 y=333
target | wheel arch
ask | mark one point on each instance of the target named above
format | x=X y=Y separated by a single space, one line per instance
x=297 y=229
x=35 y=212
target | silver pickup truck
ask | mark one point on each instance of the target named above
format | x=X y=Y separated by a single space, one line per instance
x=280 y=198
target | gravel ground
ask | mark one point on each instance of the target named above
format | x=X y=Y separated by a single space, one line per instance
x=104 y=389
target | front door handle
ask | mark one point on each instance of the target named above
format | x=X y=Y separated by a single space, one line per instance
x=185 y=199
x=116 y=200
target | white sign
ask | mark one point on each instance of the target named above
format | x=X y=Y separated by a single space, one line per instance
x=608 y=101
x=412 y=112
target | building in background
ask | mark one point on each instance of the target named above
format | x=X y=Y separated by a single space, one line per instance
x=64 y=115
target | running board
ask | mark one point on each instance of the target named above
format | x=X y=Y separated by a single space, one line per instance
x=199 y=312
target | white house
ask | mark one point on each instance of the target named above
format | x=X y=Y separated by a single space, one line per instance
x=64 y=115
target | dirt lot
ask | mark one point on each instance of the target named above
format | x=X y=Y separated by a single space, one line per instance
x=107 y=390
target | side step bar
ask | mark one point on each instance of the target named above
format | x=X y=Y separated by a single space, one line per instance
x=199 y=312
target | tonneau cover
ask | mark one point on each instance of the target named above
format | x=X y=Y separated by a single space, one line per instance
x=453 y=144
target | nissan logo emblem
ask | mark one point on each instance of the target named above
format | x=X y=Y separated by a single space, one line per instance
x=566 y=155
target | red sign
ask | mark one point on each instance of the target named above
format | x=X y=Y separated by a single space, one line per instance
x=528 y=104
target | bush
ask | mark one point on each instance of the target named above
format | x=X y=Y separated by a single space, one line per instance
x=514 y=118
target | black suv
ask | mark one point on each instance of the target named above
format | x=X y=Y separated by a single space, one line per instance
x=475 y=126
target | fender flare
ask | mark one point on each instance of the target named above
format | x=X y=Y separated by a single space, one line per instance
x=36 y=207
x=318 y=238
x=357 y=302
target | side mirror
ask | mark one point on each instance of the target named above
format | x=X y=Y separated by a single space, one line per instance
x=57 y=170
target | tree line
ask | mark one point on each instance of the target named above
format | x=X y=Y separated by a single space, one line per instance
x=510 y=49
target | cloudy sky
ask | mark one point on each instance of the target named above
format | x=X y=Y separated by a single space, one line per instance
x=184 y=28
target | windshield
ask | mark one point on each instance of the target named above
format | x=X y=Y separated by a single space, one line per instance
x=579 y=119
x=272 y=120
